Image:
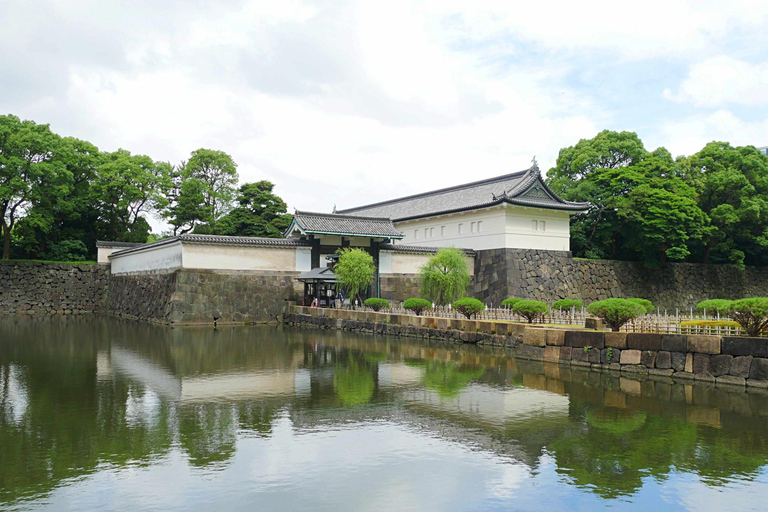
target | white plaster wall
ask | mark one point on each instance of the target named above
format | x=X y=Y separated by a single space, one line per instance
x=504 y=226
x=405 y=263
x=303 y=259
x=103 y=253
x=233 y=257
x=160 y=258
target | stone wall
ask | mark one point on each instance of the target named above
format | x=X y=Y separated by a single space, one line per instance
x=34 y=288
x=553 y=275
x=187 y=297
x=398 y=287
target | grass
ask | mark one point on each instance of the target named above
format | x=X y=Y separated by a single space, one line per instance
x=51 y=261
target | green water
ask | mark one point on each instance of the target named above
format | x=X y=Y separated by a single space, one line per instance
x=108 y=415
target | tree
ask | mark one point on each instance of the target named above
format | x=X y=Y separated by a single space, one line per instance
x=752 y=314
x=468 y=306
x=354 y=271
x=417 y=305
x=530 y=309
x=444 y=277
x=616 y=312
x=260 y=213
x=29 y=172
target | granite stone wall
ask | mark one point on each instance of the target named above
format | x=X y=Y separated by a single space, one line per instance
x=32 y=288
x=553 y=275
x=188 y=297
x=398 y=287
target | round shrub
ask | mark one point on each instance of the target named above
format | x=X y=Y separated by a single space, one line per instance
x=647 y=305
x=616 y=312
x=530 y=309
x=376 y=304
x=752 y=314
x=417 y=305
x=508 y=303
x=716 y=306
x=568 y=304
x=468 y=306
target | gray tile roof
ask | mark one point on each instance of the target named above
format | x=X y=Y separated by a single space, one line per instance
x=219 y=240
x=525 y=188
x=418 y=249
x=333 y=224
x=114 y=245
x=321 y=273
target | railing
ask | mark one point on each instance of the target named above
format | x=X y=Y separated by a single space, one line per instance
x=662 y=321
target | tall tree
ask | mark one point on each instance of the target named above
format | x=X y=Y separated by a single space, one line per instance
x=29 y=172
x=355 y=271
x=444 y=277
x=260 y=213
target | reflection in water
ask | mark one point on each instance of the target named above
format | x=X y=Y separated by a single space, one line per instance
x=279 y=412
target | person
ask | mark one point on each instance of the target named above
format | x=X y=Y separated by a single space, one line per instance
x=314 y=302
x=341 y=298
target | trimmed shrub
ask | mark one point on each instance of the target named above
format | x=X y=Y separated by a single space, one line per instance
x=376 y=304
x=417 y=305
x=716 y=306
x=468 y=306
x=752 y=314
x=508 y=303
x=709 y=323
x=567 y=304
x=616 y=312
x=647 y=305
x=530 y=309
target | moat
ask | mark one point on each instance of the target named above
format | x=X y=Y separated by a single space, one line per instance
x=105 y=414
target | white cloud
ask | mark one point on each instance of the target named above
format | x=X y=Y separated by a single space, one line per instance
x=689 y=135
x=721 y=81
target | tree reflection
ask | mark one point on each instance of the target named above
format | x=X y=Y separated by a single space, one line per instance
x=447 y=378
x=353 y=382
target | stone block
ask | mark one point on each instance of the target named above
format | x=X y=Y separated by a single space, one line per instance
x=700 y=363
x=661 y=372
x=703 y=344
x=644 y=341
x=469 y=325
x=678 y=361
x=535 y=337
x=630 y=357
x=529 y=352
x=616 y=340
x=484 y=326
x=757 y=347
x=551 y=354
x=594 y=323
x=648 y=358
x=500 y=328
x=610 y=355
x=684 y=376
x=720 y=364
x=566 y=353
x=688 y=363
x=730 y=380
x=674 y=343
x=593 y=355
x=579 y=354
x=581 y=339
x=759 y=369
x=664 y=360
x=555 y=337
x=630 y=386
x=740 y=366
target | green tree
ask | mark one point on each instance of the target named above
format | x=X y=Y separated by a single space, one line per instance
x=444 y=277
x=29 y=172
x=354 y=271
x=260 y=213
x=616 y=312
x=732 y=184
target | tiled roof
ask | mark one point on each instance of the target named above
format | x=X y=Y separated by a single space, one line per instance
x=101 y=243
x=418 y=249
x=219 y=240
x=323 y=273
x=525 y=188
x=347 y=225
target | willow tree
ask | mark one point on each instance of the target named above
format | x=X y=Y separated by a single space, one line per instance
x=354 y=271
x=445 y=277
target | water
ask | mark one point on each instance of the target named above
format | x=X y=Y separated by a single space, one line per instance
x=108 y=415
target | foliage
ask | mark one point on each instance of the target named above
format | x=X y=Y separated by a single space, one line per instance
x=445 y=276
x=751 y=314
x=508 y=303
x=67 y=250
x=709 y=323
x=468 y=306
x=568 y=304
x=716 y=306
x=417 y=305
x=530 y=309
x=354 y=271
x=616 y=312
x=647 y=305
x=260 y=213
x=376 y=304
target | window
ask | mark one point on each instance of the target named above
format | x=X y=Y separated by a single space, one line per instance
x=426 y=232
x=461 y=229
x=539 y=225
x=431 y=232
x=535 y=225
x=472 y=227
x=542 y=225
x=442 y=230
x=479 y=226
x=415 y=234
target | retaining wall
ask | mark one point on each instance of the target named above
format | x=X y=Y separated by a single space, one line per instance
x=726 y=361
x=33 y=288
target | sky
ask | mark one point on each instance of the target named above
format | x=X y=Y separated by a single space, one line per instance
x=346 y=103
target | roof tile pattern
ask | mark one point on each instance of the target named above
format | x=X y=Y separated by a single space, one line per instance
x=525 y=188
x=328 y=223
x=218 y=240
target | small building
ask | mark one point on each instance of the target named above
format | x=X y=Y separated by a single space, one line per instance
x=514 y=211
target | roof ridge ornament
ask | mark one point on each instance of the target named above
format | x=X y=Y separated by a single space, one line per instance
x=535 y=166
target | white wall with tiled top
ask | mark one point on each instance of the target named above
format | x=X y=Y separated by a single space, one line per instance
x=503 y=226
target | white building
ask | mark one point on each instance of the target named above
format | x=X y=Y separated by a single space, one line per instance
x=514 y=211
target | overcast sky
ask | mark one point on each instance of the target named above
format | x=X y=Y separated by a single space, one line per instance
x=346 y=103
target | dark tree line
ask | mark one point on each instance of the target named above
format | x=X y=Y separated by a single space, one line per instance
x=59 y=195
x=711 y=207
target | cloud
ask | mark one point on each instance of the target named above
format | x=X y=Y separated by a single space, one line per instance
x=721 y=81
x=688 y=135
